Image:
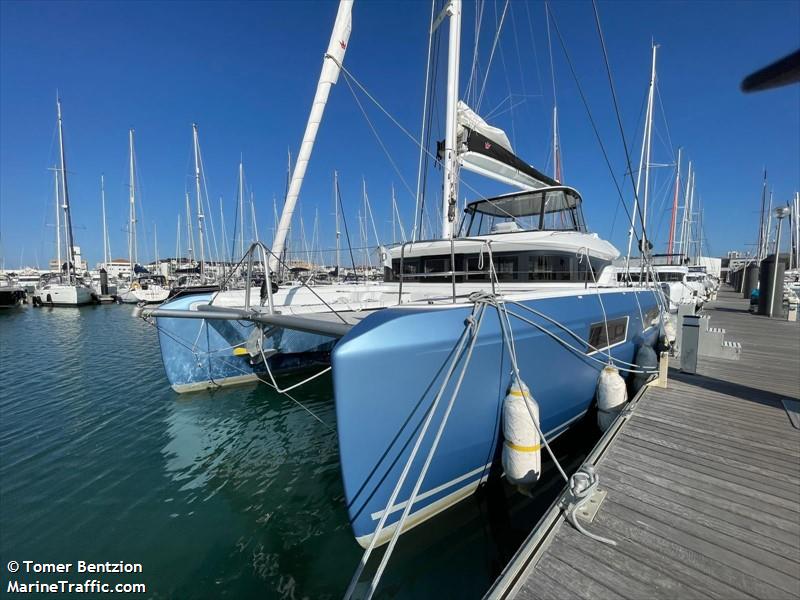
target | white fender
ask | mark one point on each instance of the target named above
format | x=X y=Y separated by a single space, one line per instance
x=669 y=330
x=611 y=396
x=522 y=459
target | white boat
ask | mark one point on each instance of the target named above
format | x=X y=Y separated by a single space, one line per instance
x=61 y=290
x=12 y=294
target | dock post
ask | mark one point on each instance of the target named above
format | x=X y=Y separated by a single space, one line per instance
x=690 y=343
x=103 y=282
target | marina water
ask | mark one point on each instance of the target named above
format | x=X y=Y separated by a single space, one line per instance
x=226 y=493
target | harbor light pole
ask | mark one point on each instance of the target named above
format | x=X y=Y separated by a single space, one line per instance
x=780 y=213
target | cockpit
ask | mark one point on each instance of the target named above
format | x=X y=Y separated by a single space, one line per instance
x=545 y=209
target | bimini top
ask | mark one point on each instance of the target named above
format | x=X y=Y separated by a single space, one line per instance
x=555 y=208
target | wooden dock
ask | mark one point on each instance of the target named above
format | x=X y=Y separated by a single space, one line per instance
x=703 y=482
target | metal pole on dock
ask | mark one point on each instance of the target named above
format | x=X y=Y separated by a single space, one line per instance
x=780 y=213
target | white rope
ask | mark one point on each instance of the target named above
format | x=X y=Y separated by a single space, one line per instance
x=407 y=467
x=476 y=325
x=582 y=483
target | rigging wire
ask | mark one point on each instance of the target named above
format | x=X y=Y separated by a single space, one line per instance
x=344 y=220
x=592 y=122
x=422 y=158
x=491 y=55
x=619 y=119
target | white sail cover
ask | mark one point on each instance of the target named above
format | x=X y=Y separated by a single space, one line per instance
x=470 y=119
x=334 y=57
x=486 y=150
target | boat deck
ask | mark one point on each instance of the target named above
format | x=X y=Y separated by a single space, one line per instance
x=703 y=482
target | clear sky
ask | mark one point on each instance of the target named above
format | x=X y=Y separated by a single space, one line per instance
x=246 y=73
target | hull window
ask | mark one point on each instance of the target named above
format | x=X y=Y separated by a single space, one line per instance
x=617 y=332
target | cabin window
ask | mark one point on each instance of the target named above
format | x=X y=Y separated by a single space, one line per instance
x=510 y=266
x=617 y=332
x=437 y=265
x=506 y=268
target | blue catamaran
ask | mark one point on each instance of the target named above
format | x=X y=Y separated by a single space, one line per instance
x=422 y=362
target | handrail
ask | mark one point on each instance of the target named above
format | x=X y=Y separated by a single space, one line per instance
x=263 y=248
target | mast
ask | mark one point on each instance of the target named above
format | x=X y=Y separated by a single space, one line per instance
x=67 y=216
x=649 y=146
x=761 y=236
x=155 y=243
x=58 y=218
x=200 y=215
x=556 y=149
x=241 y=206
x=674 y=207
x=769 y=225
x=105 y=230
x=450 y=189
x=178 y=242
x=421 y=192
x=644 y=162
x=394 y=209
x=336 y=209
x=189 y=230
x=253 y=218
x=328 y=77
x=684 y=217
x=132 y=258
x=691 y=218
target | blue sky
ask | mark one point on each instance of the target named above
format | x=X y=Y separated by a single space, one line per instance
x=246 y=73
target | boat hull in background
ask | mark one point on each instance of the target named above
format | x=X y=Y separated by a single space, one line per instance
x=199 y=354
x=57 y=294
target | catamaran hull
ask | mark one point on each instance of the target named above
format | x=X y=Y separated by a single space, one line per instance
x=199 y=354
x=388 y=369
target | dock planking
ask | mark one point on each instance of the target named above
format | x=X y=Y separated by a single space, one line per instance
x=703 y=482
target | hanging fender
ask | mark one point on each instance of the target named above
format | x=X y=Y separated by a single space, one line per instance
x=522 y=459
x=612 y=395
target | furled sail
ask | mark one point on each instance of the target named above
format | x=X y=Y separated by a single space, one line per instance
x=486 y=150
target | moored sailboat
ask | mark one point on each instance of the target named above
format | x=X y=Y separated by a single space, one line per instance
x=65 y=288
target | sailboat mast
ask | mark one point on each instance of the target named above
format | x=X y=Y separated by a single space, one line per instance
x=684 y=217
x=328 y=77
x=450 y=189
x=241 y=206
x=105 y=231
x=674 y=207
x=691 y=217
x=394 y=209
x=67 y=216
x=200 y=215
x=556 y=149
x=178 y=242
x=58 y=217
x=761 y=236
x=769 y=225
x=189 y=230
x=649 y=146
x=155 y=243
x=644 y=161
x=336 y=209
x=131 y=208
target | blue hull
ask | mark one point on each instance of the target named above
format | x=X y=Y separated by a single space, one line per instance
x=388 y=369
x=198 y=354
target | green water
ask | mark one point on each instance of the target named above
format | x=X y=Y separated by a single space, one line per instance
x=228 y=493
